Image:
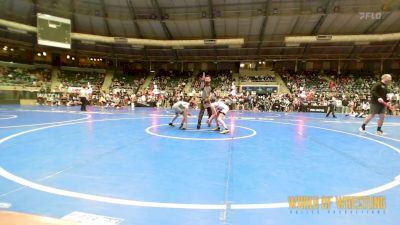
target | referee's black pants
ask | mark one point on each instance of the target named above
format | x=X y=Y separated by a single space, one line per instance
x=331 y=111
x=201 y=113
x=83 y=103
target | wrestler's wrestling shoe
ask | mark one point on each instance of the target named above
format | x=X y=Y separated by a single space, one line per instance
x=216 y=129
x=225 y=131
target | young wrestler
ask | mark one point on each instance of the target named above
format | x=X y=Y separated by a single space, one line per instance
x=219 y=109
x=182 y=108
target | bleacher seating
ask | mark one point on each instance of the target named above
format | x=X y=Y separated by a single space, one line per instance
x=170 y=82
x=221 y=81
x=80 y=78
x=325 y=85
x=128 y=82
x=13 y=76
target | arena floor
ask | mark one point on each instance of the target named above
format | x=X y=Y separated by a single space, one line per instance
x=130 y=167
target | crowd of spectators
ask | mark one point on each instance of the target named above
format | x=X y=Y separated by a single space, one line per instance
x=221 y=81
x=350 y=91
x=79 y=79
x=169 y=83
x=128 y=83
x=13 y=76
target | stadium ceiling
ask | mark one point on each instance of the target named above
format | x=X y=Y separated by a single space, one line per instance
x=263 y=24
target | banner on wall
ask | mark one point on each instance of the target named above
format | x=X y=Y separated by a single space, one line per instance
x=74 y=89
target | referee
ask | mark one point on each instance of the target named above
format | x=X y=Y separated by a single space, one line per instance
x=205 y=104
x=84 y=96
x=331 y=108
x=378 y=98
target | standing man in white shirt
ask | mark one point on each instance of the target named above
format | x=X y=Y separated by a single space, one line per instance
x=84 y=94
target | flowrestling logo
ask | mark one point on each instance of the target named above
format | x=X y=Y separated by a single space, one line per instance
x=370 y=15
